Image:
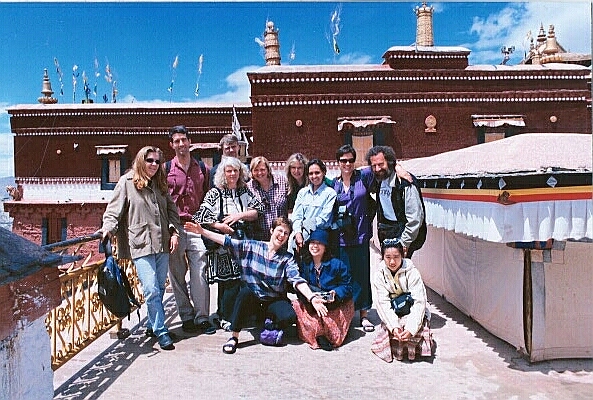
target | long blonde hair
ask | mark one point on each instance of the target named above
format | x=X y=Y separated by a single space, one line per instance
x=141 y=178
x=293 y=185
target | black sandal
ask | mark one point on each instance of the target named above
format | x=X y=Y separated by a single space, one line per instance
x=367 y=325
x=230 y=346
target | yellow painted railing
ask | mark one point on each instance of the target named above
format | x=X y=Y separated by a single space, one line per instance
x=82 y=318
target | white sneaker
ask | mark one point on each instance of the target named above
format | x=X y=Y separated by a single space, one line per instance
x=226 y=325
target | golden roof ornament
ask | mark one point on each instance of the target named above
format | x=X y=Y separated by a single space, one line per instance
x=551 y=43
x=541 y=36
x=46 y=91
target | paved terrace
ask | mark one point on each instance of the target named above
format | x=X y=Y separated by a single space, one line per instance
x=469 y=363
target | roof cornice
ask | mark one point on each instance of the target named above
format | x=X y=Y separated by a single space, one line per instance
x=473 y=74
x=424 y=97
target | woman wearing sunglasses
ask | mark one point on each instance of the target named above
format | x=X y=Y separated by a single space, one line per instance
x=145 y=219
x=354 y=212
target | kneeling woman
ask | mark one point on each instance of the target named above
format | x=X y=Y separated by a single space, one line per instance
x=405 y=327
x=326 y=326
x=267 y=268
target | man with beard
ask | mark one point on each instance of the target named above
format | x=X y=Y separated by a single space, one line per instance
x=400 y=208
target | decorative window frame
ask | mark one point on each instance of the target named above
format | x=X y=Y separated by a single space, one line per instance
x=109 y=153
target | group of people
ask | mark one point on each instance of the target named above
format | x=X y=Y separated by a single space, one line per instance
x=261 y=235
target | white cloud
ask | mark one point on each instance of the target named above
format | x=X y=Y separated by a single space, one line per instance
x=509 y=27
x=438 y=7
x=239 y=87
x=6 y=143
x=354 y=58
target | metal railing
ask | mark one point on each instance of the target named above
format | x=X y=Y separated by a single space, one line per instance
x=81 y=318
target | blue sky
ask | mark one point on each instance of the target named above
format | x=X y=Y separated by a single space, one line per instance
x=140 y=42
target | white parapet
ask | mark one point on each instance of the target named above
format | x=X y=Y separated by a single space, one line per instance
x=25 y=355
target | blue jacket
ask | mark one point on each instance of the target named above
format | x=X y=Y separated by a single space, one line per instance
x=334 y=275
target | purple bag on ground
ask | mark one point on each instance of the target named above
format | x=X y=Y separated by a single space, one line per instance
x=270 y=336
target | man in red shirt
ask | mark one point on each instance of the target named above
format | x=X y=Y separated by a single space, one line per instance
x=188 y=181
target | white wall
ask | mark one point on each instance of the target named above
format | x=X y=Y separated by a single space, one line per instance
x=25 y=363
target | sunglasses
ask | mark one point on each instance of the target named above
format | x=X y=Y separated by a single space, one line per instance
x=152 y=161
x=347 y=160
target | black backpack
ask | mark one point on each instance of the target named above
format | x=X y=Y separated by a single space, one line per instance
x=114 y=288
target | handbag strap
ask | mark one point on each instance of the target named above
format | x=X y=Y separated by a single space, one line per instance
x=220 y=213
x=107 y=247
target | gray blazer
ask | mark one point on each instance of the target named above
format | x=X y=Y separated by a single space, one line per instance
x=142 y=219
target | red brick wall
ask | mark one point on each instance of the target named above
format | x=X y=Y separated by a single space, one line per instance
x=82 y=219
x=150 y=128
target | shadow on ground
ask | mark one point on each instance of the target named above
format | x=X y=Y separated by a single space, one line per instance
x=96 y=376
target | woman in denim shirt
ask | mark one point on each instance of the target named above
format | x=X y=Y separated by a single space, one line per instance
x=314 y=205
x=325 y=327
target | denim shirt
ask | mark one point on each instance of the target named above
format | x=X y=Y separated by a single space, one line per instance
x=313 y=209
x=334 y=275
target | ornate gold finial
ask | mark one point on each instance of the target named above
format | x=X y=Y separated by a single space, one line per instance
x=271 y=44
x=541 y=36
x=46 y=91
x=551 y=43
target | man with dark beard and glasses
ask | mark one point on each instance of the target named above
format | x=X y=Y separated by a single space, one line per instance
x=400 y=208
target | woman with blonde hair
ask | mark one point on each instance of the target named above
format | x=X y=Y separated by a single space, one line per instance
x=271 y=191
x=145 y=219
x=296 y=175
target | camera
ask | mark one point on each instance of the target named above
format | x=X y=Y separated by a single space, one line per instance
x=327 y=296
x=342 y=218
x=239 y=234
x=240 y=228
x=344 y=221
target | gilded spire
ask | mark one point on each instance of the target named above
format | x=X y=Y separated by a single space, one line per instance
x=551 y=43
x=541 y=36
x=46 y=91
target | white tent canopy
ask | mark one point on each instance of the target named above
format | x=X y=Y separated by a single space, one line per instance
x=558 y=213
x=537 y=300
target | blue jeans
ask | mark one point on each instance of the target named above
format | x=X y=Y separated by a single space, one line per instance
x=152 y=272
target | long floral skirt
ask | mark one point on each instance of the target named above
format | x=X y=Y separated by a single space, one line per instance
x=386 y=347
x=334 y=326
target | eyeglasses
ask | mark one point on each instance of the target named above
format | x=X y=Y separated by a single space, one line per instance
x=152 y=161
x=347 y=160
